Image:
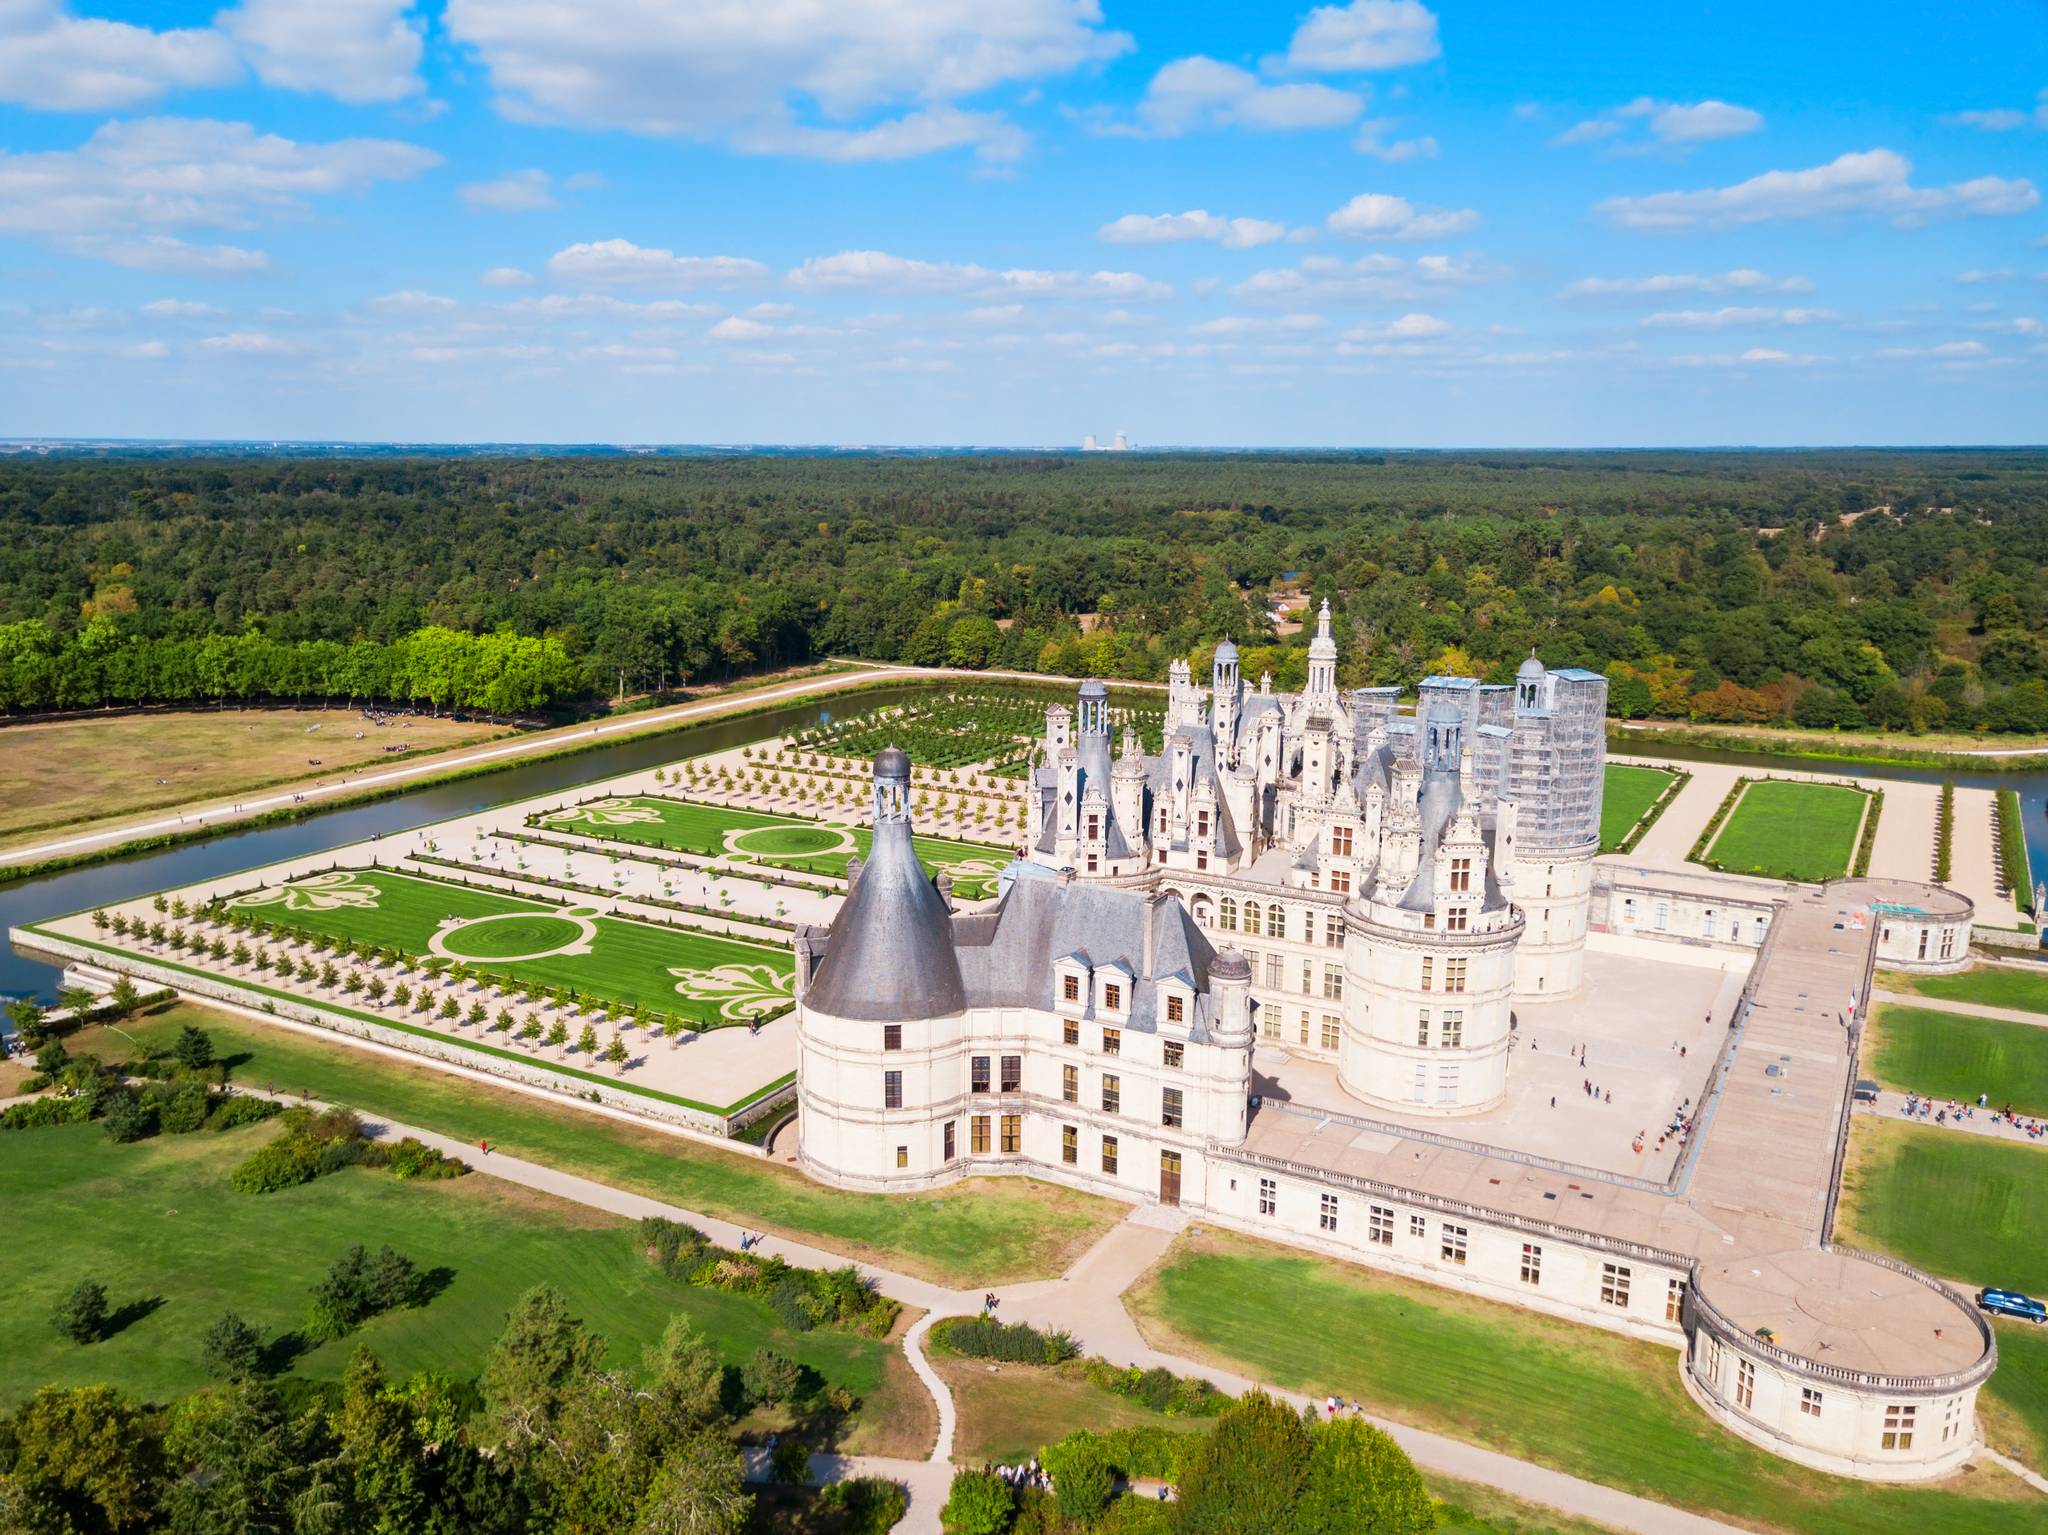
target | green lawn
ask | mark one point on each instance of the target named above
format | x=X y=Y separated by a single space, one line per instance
x=805 y=847
x=1986 y=986
x=1585 y=1401
x=988 y=1231
x=157 y=1224
x=1950 y=1055
x=2015 y=1405
x=1630 y=791
x=1791 y=830
x=1957 y=1205
x=708 y=980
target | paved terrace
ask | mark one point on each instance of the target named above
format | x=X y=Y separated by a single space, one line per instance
x=1752 y=1203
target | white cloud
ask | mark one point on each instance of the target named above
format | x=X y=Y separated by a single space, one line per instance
x=1372 y=140
x=1260 y=325
x=1666 y=123
x=738 y=328
x=517 y=192
x=621 y=261
x=178 y=309
x=149 y=349
x=1195 y=224
x=60 y=62
x=1945 y=349
x=359 y=51
x=1736 y=317
x=1740 y=280
x=410 y=303
x=1201 y=92
x=878 y=271
x=1367 y=34
x=507 y=277
x=2003 y=119
x=1410 y=327
x=249 y=343
x=856 y=79
x=1379 y=216
x=119 y=195
x=1377 y=278
x=1875 y=181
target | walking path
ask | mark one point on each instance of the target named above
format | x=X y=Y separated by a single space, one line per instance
x=1966 y=1009
x=1086 y=1301
x=1891 y=1105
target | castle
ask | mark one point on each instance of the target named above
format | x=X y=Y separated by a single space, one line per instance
x=1278 y=973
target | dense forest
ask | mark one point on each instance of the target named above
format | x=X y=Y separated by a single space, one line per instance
x=1899 y=589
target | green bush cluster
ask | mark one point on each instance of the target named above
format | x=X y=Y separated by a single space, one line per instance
x=2012 y=850
x=981 y=1337
x=1945 y=832
x=1866 y=844
x=317 y=1142
x=864 y=1505
x=800 y=1298
x=1177 y=1396
x=360 y=1285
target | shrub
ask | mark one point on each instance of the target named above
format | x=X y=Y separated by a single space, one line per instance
x=791 y=1460
x=38 y=1113
x=979 y=1503
x=182 y=1109
x=1147 y=1450
x=127 y=1117
x=282 y=1164
x=1081 y=1475
x=675 y=1248
x=232 y=1349
x=240 y=1109
x=866 y=1505
x=82 y=1315
x=413 y=1158
x=768 y=1377
x=360 y=1285
x=1012 y=1342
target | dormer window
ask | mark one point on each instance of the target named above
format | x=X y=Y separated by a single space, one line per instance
x=1454 y=919
x=1461 y=874
x=1070 y=988
x=1112 y=996
x=1094 y=827
x=1176 y=1009
x=1340 y=841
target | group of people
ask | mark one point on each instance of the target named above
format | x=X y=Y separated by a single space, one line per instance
x=1953 y=1112
x=1029 y=1474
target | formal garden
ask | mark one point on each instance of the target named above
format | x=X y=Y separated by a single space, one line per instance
x=1791 y=829
x=1629 y=796
x=993 y=725
x=779 y=841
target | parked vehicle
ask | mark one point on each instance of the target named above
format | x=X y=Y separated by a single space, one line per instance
x=2012 y=1303
x=1866 y=1091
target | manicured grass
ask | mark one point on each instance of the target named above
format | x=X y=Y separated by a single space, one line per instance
x=1791 y=830
x=157 y=1223
x=784 y=841
x=70 y=773
x=1986 y=986
x=1630 y=791
x=1007 y=1413
x=2014 y=1406
x=1589 y=1402
x=1967 y=1208
x=989 y=1231
x=1471 y=1509
x=635 y=963
x=1950 y=1055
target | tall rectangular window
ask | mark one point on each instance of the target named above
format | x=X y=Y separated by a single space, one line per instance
x=1447 y=1084
x=1454 y=975
x=1331 y=1032
x=1898 y=1426
x=1745 y=1384
x=1070 y=988
x=1170 y=1055
x=1333 y=982
x=1070 y=1084
x=892 y=1089
x=1340 y=883
x=1428 y=970
x=1013 y=1073
x=1379 y=1225
x=1112 y=996
x=1109 y=1154
x=1422 y=1028
x=1112 y=1095
x=902 y=1156
x=1461 y=874
x=1070 y=1032
x=1169 y=1107
x=1340 y=841
x=1452 y=1248
x=1452 y=1036
x=1532 y=1263
x=1454 y=919
x=1112 y=1042
x=977 y=1074
x=1013 y=1133
x=1674 y=1300
x=1070 y=1144
x=977 y=1135
x=1276 y=971
x=1176 y=1008
x=952 y=1145
x=1326 y=1217
x=1614 y=1285
x=1417 y=1226
x=892 y=1036
x=1269 y=1196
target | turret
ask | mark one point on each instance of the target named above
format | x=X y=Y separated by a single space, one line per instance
x=1322 y=658
x=1127 y=787
x=1224 y=693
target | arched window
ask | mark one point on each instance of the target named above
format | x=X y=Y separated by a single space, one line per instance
x=1227 y=915
x=1251 y=918
x=1202 y=913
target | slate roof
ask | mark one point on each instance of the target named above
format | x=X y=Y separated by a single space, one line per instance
x=889 y=956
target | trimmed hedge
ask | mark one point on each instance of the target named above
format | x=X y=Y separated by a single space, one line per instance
x=1945 y=832
x=2012 y=851
x=801 y=1298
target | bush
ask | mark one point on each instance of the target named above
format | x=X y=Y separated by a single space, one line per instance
x=791 y=1460
x=232 y=1349
x=39 y=1113
x=980 y=1337
x=311 y=1145
x=360 y=1285
x=239 y=1109
x=282 y=1164
x=866 y=1505
x=82 y=1315
x=1133 y=1515
x=414 y=1158
x=1147 y=1450
x=182 y=1109
x=769 y=1378
x=1082 y=1478
x=675 y=1248
x=127 y=1117
x=979 y=1503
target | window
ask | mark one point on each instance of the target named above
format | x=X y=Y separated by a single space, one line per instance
x=1340 y=882
x=1094 y=828
x=1951 y=1419
x=1454 y=975
x=1070 y=988
x=1674 y=1300
x=1112 y=996
x=977 y=1134
x=1201 y=823
x=1422 y=1028
x=892 y=1089
x=1713 y=1360
x=1276 y=965
x=902 y=1156
x=952 y=1147
x=1454 y=919
x=1417 y=1226
x=1332 y=1032
x=1948 y=943
x=1070 y=1144
x=1745 y=1383
x=1614 y=1285
x=1070 y=1032
x=1269 y=1023
x=892 y=1036
x=1013 y=1073
x=1308 y=979
x=1326 y=1218
x=1419 y=1090
x=1898 y=1426
x=1340 y=841
x=1379 y=1225
x=1532 y=1263
x=1226 y=915
x=1112 y=1094
x=1112 y=1042
x=1070 y=1084
x=1428 y=971
x=1170 y=1054
x=1176 y=1008
x=1109 y=1154
x=1452 y=1035
x=1452 y=1247
x=1091 y=863
x=1013 y=1133
x=1253 y=925
x=1809 y=1402
x=1447 y=1084
x=977 y=1074
x=1169 y=1107
x=1461 y=874
x=1333 y=982
x=1301 y=1027
x=1269 y=1196
x=1923 y=944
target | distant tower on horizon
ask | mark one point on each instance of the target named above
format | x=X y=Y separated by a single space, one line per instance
x=1088 y=444
x=1121 y=445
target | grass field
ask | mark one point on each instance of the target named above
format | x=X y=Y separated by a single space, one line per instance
x=157 y=1224
x=1585 y=1401
x=1791 y=830
x=706 y=979
x=803 y=847
x=1629 y=792
x=2015 y=1408
x=1986 y=986
x=987 y=1231
x=1949 y=1055
x=74 y=772
x=1961 y=1206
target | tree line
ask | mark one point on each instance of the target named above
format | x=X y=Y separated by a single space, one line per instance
x=1898 y=589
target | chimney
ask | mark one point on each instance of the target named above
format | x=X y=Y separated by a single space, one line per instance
x=1151 y=912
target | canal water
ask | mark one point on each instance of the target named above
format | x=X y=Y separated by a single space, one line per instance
x=101 y=884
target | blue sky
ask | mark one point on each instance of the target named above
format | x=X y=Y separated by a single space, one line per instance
x=1012 y=222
